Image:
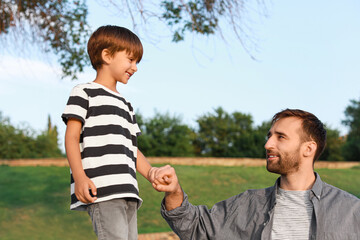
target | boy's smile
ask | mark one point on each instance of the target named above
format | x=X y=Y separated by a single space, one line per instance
x=122 y=66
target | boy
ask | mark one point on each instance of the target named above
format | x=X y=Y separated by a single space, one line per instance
x=101 y=134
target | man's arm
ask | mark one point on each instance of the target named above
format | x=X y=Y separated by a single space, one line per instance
x=166 y=181
x=82 y=182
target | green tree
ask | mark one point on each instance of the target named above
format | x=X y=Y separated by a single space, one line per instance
x=352 y=120
x=15 y=142
x=62 y=27
x=22 y=142
x=46 y=144
x=334 y=145
x=58 y=26
x=164 y=135
x=221 y=134
x=260 y=133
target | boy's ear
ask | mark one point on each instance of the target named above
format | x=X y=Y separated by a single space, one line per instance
x=106 y=56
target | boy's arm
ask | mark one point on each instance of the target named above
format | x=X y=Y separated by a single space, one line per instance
x=163 y=179
x=144 y=167
x=82 y=182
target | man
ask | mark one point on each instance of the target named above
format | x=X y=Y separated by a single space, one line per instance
x=299 y=206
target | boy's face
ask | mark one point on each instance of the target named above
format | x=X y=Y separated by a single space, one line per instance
x=122 y=66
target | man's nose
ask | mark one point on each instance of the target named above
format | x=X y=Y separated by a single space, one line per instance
x=269 y=143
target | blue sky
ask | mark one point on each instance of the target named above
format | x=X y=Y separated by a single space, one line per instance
x=308 y=57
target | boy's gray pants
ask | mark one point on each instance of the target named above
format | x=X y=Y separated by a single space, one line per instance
x=115 y=219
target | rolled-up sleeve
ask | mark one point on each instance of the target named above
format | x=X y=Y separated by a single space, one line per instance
x=197 y=222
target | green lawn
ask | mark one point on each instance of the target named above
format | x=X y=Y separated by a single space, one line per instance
x=34 y=201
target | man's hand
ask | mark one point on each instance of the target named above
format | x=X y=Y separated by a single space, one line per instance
x=165 y=180
x=83 y=186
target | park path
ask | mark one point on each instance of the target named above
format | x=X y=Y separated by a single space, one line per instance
x=159 y=236
x=249 y=162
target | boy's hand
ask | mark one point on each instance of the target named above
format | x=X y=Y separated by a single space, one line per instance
x=152 y=174
x=83 y=186
x=164 y=179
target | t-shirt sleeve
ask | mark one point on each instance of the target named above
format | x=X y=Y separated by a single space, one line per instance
x=136 y=126
x=76 y=106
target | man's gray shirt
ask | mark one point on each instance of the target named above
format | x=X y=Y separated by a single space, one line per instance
x=249 y=215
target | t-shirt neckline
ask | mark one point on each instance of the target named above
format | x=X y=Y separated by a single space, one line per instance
x=106 y=88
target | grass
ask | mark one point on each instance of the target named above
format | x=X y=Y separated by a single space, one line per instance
x=34 y=201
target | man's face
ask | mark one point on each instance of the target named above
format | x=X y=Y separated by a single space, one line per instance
x=283 y=146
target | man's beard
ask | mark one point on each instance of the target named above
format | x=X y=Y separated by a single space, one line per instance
x=286 y=163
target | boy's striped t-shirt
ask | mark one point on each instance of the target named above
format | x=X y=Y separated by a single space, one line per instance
x=108 y=141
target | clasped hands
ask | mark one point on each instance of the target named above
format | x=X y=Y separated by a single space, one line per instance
x=164 y=179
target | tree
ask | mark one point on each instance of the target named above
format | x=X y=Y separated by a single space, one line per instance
x=61 y=26
x=352 y=120
x=164 y=135
x=46 y=144
x=58 y=26
x=194 y=16
x=259 y=135
x=334 y=145
x=221 y=134
x=22 y=142
x=15 y=142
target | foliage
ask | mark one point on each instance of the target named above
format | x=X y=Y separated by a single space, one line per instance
x=16 y=142
x=46 y=144
x=201 y=17
x=259 y=136
x=218 y=134
x=194 y=16
x=230 y=135
x=352 y=120
x=58 y=26
x=62 y=27
x=164 y=135
x=334 y=145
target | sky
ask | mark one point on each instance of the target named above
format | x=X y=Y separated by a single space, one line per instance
x=307 y=57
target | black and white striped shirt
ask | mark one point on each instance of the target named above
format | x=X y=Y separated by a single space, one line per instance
x=108 y=141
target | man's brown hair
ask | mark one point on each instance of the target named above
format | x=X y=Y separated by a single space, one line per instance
x=114 y=39
x=312 y=128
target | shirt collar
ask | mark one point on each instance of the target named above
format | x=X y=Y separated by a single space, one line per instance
x=316 y=188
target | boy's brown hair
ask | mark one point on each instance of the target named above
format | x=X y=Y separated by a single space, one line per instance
x=312 y=128
x=114 y=39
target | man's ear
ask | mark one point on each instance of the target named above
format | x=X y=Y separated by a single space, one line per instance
x=309 y=149
x=106 y=56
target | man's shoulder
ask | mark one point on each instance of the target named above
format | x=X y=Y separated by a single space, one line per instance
x=250 y=200
x=335 y=193
x=256 y=194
